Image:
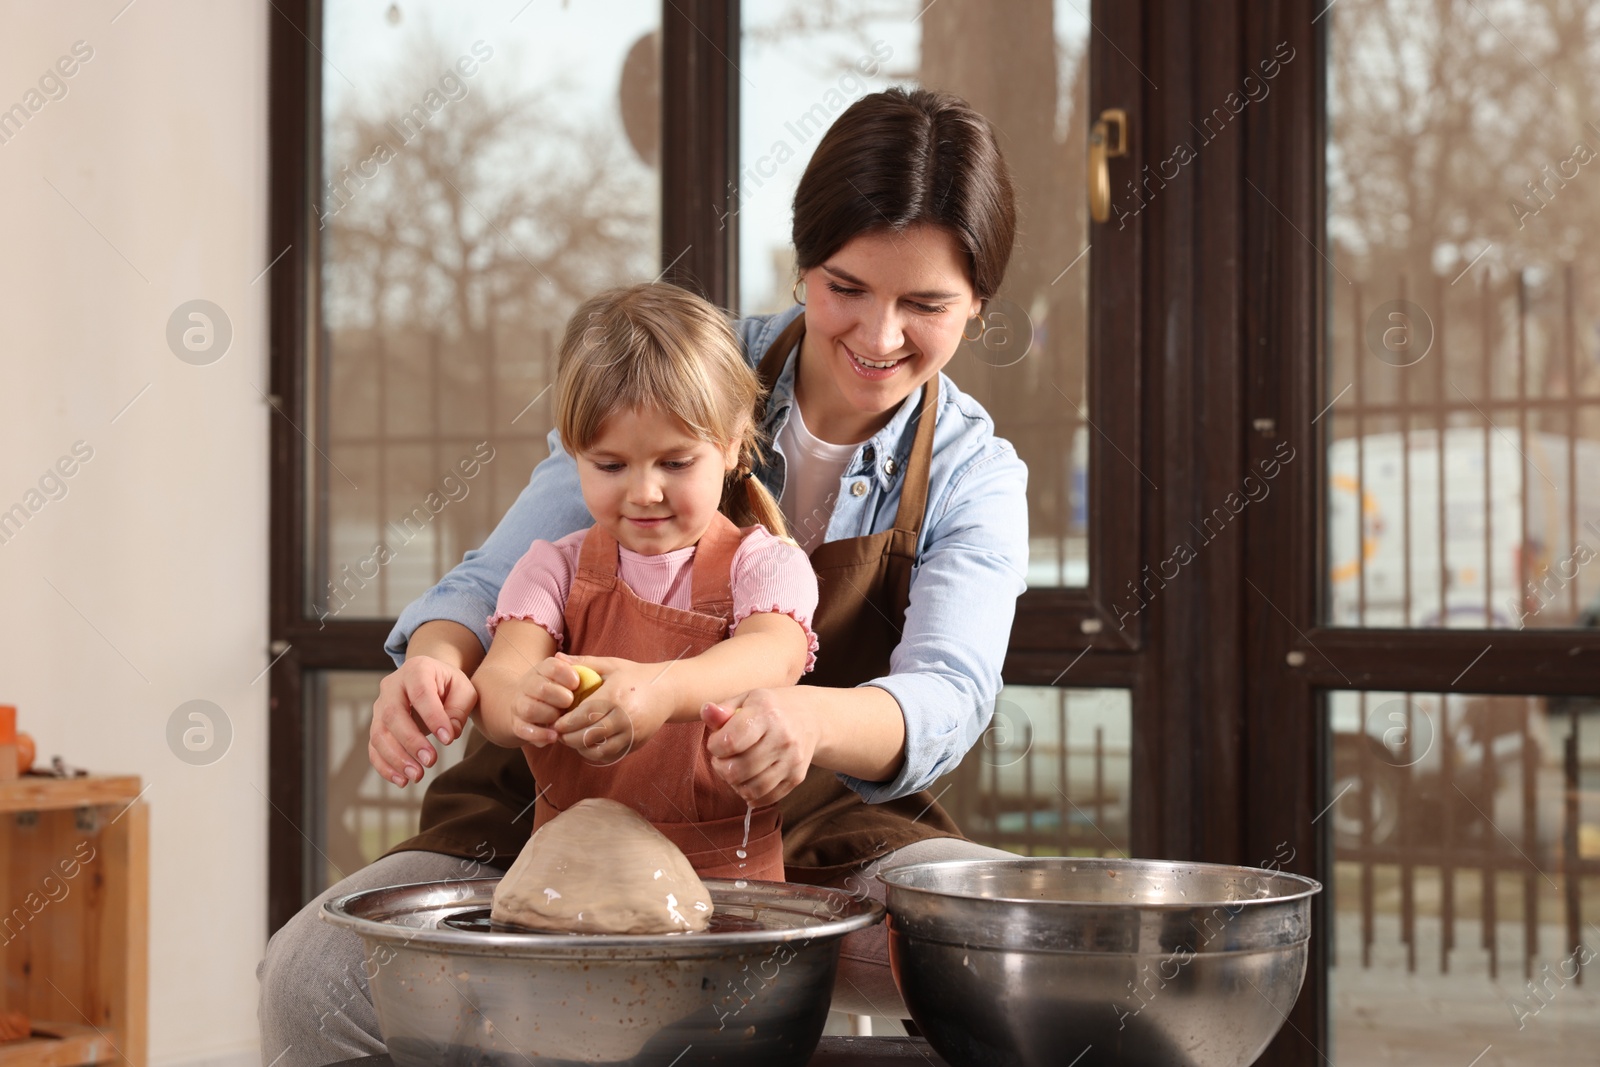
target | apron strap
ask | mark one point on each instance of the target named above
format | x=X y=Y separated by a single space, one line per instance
x=778 y=354
x=711 y=578
x=598 y=558
x=914 y=490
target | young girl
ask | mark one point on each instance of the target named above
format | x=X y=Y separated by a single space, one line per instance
x=683 y=592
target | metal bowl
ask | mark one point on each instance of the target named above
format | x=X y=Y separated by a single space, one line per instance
x=450 y=989
x=1137 y=962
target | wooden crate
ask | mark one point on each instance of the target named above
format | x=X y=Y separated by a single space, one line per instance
x=74 y=919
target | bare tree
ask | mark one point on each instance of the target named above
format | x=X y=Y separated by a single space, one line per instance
x=1465 y=133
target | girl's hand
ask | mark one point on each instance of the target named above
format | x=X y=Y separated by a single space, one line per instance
x=620 y=716
x=424 y=697
x=760 y=744
x=543 y=696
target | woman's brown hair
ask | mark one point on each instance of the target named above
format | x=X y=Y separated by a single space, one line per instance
x=659 y=346
x=898 y=158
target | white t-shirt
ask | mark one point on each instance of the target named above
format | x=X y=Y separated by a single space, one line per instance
x=811 y=483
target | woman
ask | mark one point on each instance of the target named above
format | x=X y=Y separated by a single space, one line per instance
x=913 y=512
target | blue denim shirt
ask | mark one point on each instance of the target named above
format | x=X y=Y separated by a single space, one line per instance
x=971 y=559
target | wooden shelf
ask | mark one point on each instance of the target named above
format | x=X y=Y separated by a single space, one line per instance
x=75 y=873
x=58 y=1045
x=36 y=793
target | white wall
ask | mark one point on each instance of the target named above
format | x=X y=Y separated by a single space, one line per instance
x=145 y=585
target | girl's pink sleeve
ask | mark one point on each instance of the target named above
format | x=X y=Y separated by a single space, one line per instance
x=770 y=574
x=537 y=588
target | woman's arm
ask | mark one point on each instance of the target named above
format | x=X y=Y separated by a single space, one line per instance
x=944 y=675
x=763 y=742
x=429 y=694
x=440 y=637
x=898 y=733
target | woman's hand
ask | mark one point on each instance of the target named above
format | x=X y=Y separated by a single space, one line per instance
x=761 y=743
x=620 y=716
x=424 y=696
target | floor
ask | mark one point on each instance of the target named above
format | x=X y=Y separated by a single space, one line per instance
x=1383 y=1015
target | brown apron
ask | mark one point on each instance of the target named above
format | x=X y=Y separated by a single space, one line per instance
x=480 y=808
x=669 y=780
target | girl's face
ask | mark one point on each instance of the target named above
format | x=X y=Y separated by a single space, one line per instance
x=650 y=482
x=883 y=315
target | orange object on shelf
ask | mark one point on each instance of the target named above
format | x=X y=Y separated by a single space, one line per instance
x=26 y=752
x=8 y=723
x=14 y=1026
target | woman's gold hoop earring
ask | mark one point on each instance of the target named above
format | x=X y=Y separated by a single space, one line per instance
x=982 y=327
x=799 y=295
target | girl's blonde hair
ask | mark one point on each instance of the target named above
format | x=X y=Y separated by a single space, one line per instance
x=659 y=346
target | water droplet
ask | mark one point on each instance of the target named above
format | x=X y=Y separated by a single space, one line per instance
x=741 y=853
x=740 y=884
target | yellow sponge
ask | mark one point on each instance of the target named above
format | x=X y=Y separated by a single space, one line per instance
x=588 y=682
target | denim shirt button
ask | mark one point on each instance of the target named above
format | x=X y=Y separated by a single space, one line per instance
x=858 y=489
x=888 y=467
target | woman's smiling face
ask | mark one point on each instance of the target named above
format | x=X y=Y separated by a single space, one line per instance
x=884 y=314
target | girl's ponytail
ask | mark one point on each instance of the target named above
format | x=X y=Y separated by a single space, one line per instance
x=745 y=500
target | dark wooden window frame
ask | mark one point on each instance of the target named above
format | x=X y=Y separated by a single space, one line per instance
x=1290 y=659
x=1207 y=344
x=699 y=245
x=1196 y=303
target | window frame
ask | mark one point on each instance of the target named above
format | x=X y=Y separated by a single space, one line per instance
x=1063 y=636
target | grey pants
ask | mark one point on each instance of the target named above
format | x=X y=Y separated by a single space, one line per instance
x=315 y=1008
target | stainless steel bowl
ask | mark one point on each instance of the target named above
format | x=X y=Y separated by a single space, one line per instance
x=1137 y=962
x=450 y=990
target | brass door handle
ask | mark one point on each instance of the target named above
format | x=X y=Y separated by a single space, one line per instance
x=1101 y=149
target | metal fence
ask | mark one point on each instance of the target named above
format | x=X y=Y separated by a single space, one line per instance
x=1462 y=484
x=1477 y=813
x=1051 y=775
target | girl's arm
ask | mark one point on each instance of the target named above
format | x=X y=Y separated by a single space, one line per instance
x=769 y=648
x=637 y=699
x=520 y=685
x=774 y=598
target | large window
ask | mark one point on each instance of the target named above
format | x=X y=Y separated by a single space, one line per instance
x=1029 y=75
x=1311 y=422
x=471 y=173
x=1461 y=422
x=481 y=175
x=1464 y=366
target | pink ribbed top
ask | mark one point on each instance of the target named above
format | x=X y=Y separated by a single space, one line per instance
x=768 y=574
